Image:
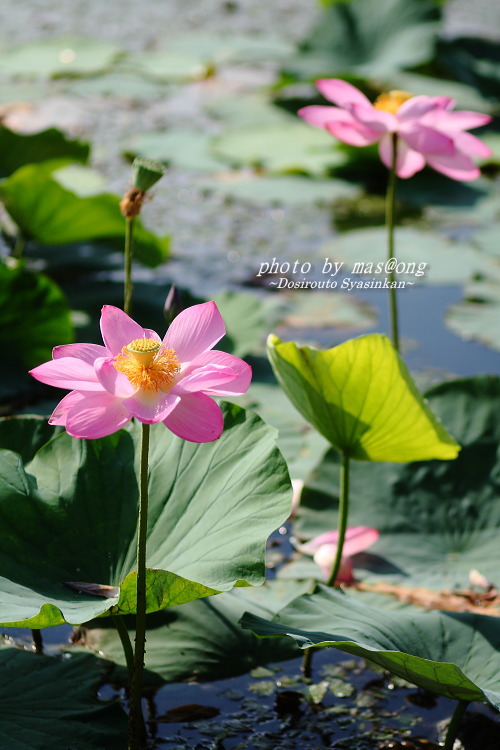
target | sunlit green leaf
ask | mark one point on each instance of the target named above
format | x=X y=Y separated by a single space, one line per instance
x=180 y=148
x=49 y=213
x=287 y=189
x=438 y=521
x=361 y=397
x=455 y=655
x=212 y=507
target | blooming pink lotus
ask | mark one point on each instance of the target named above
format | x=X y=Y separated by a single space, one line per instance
x=324 y=547
x=136 y=374
x=427 y=130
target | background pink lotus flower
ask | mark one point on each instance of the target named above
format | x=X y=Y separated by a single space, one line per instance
x=428 y=131
x=323 y=548
x=136 y=374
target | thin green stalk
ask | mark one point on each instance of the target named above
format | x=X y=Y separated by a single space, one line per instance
x=136 y=719
x=343 y=515
x=129 y=246
x=457 y=717
x=342 y=526
x=19 y=246
x=389 y=222
x=122 y=631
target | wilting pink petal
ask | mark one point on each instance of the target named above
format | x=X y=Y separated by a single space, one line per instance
x=172 y=384
x=196 y=418
x=323 y=548
x=427 y=130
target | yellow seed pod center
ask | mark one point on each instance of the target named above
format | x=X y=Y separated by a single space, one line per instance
x=147 y=365
x=390 y=101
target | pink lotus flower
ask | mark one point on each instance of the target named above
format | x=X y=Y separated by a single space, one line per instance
x=324 y=547
x=136 y=374
x=428 y=132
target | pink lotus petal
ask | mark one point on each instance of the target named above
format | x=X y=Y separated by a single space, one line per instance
x=87 y=352
x=236 y=387
x=320 y=115
x=196 y=418
x=112 y=380
x=426 y=140
x=409 y=161
x=118 y=329
x=354 y=134
x=208 y=377
x=325 y=557
x=195 y=331
x=458 y=167
x=375 y=119
x=68 y=372
x=96 y=416
x=60 y=413
x=471 y=146
x=456 y=121
x=341 y=93
x=418 y=106
x=150 y=407
x=357 y=538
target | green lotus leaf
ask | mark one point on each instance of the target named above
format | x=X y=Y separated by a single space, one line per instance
x=477 y=316
x=451 y=654
x=361 y=397
x=284 y=147
x=349 y=36
x=430 y=258
x=48 y=702
x=47 y=211
x=18 y=149
x=288 y=190
x=64 y=56
x=203 y=640
x=70 y=517
x=34 y=318
x=438 y=521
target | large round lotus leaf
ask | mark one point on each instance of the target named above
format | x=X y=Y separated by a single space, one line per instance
x=361 y=397
x=203 y=640
x=423 y=257
x=48 y=702
x=286 y=189
x=70 y=517
x=18 y=149
x=52 y=214
x=285 y=147
x=455 y=655
x=180 y=148
x=64 y=56
x=367 y=38
x=437 y=520
x=34 y=317
x=477 y=317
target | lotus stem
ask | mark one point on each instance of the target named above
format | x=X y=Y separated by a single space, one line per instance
x=37 y=640
x=122 y=631
x=343 y=515
x=455 y=720
x=136 y=729
x=129 y=246
x=389 y=222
